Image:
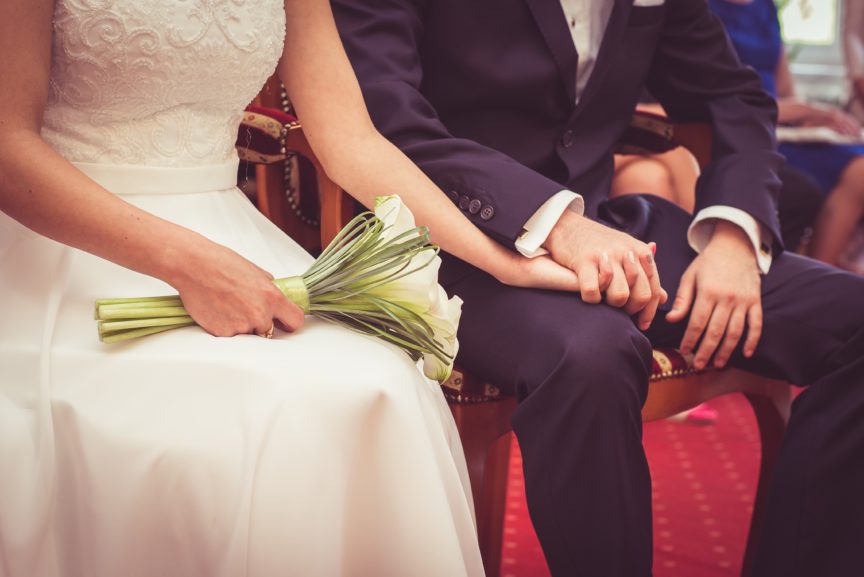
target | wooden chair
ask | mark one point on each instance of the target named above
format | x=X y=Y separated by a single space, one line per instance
x=482 y=413
x=271 y=138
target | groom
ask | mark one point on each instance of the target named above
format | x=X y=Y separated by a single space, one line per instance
x=513 y=107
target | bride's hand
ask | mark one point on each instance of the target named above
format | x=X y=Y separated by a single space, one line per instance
x=227 y=295
x=539 y=273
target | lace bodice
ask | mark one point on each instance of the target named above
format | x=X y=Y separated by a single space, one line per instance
x=157 y=82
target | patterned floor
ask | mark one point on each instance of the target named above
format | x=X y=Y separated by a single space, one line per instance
x=704 y=482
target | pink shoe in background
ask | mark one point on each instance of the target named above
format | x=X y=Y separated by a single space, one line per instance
x=701 y=414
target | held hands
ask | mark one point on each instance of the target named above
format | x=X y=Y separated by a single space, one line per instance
x=607 y=261
x=228 y=295
x=724 y=280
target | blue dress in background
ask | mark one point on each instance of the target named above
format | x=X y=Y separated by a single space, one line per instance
x=755 y=32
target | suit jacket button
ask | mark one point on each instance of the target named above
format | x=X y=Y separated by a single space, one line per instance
x=464 y=201
x=568 y=138
x=474 y=206
x=487 y=212
x=454 y=196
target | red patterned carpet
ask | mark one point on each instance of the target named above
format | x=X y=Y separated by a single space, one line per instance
x=704 y=482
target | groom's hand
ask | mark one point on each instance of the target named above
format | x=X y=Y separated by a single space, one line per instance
x=608 y=262
x=724 y=279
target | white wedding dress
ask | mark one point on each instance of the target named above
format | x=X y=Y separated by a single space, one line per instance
x=321 y=453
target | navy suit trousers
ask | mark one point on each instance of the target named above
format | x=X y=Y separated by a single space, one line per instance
x=581 y=374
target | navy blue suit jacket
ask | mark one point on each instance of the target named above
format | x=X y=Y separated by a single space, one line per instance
x=480 y=94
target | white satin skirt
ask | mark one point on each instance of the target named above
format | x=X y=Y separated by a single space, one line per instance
x=315 y=454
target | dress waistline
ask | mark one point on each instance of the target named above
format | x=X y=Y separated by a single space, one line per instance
x=125 y=179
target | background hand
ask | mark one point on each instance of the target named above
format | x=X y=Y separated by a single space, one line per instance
x=724 y=279
x=833 y=118
x=228 y=295
x=608 y=261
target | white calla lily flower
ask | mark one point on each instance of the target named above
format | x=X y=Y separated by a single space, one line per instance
x=420 y=291
x=443 y=317
x=396 y=217
x=417 y=290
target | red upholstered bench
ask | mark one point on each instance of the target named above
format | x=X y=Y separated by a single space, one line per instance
x=481 y=411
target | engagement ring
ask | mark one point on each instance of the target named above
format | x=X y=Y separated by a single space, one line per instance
x=268 y=334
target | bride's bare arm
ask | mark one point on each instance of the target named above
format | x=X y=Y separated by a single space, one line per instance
x=225 y=293
x=327 y=97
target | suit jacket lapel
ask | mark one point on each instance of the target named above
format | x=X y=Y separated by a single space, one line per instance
x=553 y=25
x=611 y=43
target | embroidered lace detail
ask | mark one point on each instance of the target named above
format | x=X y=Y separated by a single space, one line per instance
x=157 y=82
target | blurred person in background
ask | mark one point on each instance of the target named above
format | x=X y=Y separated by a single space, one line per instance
x=853 y=51
x=838 y=168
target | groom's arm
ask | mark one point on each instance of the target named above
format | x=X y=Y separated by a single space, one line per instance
x=497 y=193
x=500 y=196
x=696 y=76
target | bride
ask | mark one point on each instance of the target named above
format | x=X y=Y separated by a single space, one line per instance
x=319 y=453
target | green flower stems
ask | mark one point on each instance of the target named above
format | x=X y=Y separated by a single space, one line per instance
x=337 y=288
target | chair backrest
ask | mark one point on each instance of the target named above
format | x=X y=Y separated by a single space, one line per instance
x=285 y=168
x=651 y=133
x=697 y=138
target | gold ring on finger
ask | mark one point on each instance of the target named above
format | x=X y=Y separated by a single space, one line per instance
x=268 y=334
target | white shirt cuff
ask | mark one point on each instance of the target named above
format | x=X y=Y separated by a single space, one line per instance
x=537 y=229
x=702 y=228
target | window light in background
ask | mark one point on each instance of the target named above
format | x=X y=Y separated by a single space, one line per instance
x=810 y=22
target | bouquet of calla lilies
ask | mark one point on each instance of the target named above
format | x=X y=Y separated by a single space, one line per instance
x=379 y=277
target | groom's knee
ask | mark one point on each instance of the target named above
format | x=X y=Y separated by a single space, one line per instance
x=598 y=362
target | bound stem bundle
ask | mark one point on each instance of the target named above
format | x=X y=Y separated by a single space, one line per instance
x=377 y=277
